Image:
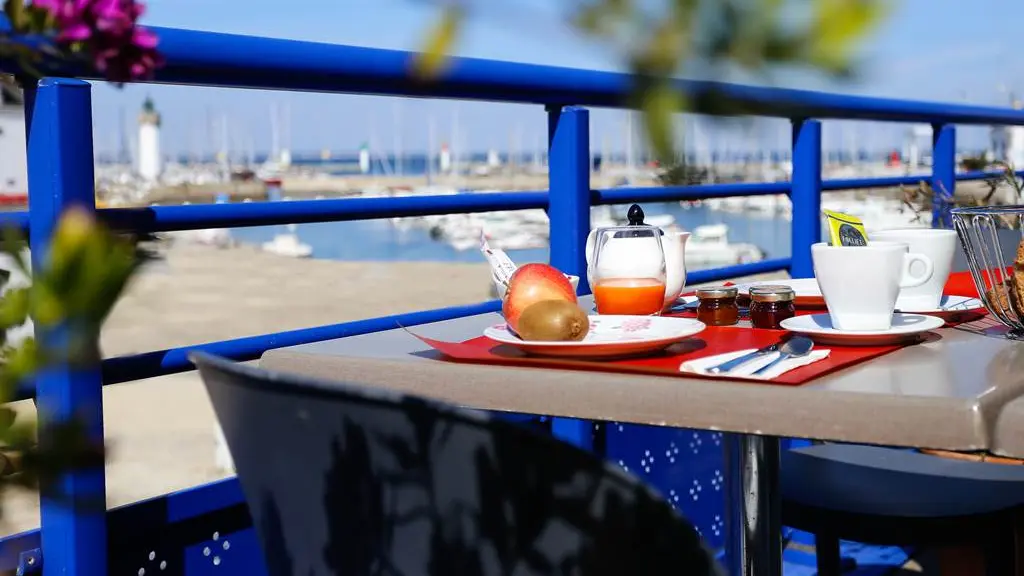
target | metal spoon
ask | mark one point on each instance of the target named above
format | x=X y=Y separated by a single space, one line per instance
x=737 y=362
x=795 y=347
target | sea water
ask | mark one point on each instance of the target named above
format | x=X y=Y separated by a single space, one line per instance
x=380 y=241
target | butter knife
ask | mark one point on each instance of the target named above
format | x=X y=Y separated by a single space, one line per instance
x=737 y=362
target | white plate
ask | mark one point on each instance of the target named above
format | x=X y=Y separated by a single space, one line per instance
x=609 y=336
x=904 y=327
x=806 y=290
x=952 y=306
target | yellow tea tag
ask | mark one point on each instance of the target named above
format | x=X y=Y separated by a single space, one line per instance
x=845 y=230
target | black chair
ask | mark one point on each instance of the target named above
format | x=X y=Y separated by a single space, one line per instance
x=350 y=480
x=896 y=497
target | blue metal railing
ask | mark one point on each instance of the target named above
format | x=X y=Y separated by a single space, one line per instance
x=60 y=157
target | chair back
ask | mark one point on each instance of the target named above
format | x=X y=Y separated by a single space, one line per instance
x=349 y=480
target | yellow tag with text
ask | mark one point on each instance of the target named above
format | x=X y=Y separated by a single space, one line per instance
x=845 y=230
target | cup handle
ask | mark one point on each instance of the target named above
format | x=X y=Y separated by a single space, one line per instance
x=909 y=280
x=588 y=251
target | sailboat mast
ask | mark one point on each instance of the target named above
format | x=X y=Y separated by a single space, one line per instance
x=275 y=132
x=431 y=135
x=398 y=138
x=629 y=145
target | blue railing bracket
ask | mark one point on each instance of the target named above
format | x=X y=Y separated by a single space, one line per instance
x=30 y=562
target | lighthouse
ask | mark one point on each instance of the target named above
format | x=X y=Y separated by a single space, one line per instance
x=364 y=159
x=150 y=162
x=445 y=161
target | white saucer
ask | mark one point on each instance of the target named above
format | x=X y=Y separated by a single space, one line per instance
x=904 y=327
x=952 y=306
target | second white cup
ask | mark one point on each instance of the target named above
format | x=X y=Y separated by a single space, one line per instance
x=860 y=284
x=940 y=246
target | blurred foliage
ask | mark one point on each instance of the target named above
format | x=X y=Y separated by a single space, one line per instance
x=974 y=163
x=440 y=39
x=683 y=174
x=921 y=198
x=71 y=294
x=717 y=38
x=103 y=33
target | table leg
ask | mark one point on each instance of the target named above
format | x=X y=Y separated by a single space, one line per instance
x=753 y=506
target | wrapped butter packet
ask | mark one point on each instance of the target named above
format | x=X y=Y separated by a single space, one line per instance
x=845 y=230
x=502 y=267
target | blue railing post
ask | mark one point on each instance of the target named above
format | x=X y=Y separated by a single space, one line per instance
x=569 y=213
x=806 y=195
x=58 y=114
x=943 y=173
x=569 y=184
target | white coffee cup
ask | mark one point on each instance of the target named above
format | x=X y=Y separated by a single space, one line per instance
x=860 y=284
x=940 y=246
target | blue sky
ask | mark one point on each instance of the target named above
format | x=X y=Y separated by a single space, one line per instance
x=948 y=50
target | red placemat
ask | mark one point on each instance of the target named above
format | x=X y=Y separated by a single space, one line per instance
x=713 y=340
x=962 y=284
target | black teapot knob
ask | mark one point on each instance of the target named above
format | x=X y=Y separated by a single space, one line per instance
x=635 y=215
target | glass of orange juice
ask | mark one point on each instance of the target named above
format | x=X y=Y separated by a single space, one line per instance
x=628 y=270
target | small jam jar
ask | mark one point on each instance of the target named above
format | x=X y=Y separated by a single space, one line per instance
x=770 y=305
x=718 y=306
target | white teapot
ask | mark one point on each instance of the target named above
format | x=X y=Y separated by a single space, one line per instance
x=622 y=259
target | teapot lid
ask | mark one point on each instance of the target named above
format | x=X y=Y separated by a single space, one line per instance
x=635 y=216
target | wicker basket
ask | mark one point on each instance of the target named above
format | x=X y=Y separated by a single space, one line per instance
x=993 y=241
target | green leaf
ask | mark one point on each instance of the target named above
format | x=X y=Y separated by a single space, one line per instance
x=660 y=102
x=664 y=50
x=835 y=26
x=46 y=307
x=13 y=244
x=604 y=17
x=14 y=308
x=40 y=19
x=7 y=417
x=19 y=364
x=15 y=11
x=440 y=40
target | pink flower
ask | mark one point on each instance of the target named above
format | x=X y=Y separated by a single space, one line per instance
x=124 y=61
x=635 y=324
x=108 y=30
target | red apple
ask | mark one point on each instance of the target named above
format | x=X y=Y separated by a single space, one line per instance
x=534 y=283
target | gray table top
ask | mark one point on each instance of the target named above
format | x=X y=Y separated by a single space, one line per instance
x=947 y=393
x=1008 y=433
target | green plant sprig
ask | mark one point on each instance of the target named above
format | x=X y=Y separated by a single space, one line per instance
x=921 y=198
x=81 y=278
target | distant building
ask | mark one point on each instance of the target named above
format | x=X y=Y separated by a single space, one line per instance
x=13 y=158
x=150 y=161
x=1007 y=142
